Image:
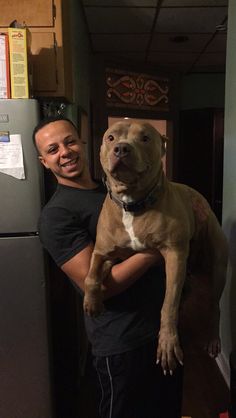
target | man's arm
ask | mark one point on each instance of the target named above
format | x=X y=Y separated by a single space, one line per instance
x=122 y=275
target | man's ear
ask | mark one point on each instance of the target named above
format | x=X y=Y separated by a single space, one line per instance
x=41 y=159
x=164 y=141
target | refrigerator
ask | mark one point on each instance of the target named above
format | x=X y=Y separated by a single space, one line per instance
x=25 y=379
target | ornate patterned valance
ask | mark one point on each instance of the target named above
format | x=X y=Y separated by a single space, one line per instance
x=136 y=90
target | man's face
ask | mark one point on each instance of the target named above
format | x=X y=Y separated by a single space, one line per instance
x=61 y=151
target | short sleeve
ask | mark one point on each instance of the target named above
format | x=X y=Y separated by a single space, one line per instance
x=62 y=234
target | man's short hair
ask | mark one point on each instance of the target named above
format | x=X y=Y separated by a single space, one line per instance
x=48 y=120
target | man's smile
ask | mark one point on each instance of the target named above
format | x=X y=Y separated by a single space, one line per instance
x=70 y=162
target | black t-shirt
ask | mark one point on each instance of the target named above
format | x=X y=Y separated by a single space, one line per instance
x=66 y=226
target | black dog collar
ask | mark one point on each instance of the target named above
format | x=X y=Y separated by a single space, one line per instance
x=137 y=206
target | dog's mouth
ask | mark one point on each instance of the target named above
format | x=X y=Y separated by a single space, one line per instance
x=125 y=163
x=118 y=164
x=124 y=171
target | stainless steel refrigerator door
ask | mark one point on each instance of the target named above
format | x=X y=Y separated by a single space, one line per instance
x=21 y=199
x=25 y=390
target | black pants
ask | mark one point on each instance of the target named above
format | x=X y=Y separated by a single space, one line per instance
x=133 y=386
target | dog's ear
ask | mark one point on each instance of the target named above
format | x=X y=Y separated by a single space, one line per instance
x=164 y=141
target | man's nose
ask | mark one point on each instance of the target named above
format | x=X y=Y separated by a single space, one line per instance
x=64 y=150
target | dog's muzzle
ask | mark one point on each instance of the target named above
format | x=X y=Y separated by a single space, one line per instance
x=122 y=150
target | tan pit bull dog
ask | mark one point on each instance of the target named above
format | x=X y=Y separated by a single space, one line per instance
x=145 y=211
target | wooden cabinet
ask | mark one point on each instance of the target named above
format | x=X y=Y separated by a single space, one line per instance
x=33 y=13
x=49 y=43
x=200 y=153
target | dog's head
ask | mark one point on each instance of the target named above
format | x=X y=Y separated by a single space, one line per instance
x=131 y=153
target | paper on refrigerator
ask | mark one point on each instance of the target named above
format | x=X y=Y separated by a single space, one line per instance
x=11 y=157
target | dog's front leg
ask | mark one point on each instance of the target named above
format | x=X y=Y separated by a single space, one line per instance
x=99 y=268
x=169 y=351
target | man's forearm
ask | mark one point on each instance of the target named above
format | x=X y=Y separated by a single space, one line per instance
x=124 y=274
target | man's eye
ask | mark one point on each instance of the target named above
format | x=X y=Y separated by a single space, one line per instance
x=71 y=141
x=52 y=150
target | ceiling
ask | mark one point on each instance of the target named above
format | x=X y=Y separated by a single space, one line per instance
x=184 y=36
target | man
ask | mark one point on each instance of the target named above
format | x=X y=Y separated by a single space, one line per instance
x=124 y=336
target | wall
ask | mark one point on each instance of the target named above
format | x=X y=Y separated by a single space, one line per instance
x=228 y=328
x=202 y=90
x=81 y=52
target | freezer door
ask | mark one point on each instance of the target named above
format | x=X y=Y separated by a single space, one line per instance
x=21 y=200
x=25 y=389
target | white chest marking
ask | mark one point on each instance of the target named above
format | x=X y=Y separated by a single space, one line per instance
x=127 y=219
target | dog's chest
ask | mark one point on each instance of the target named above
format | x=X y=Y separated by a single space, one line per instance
x=128 y=222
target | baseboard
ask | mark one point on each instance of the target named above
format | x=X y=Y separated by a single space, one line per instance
x=223 y=365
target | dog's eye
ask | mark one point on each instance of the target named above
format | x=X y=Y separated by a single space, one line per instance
x=110 y=137
x=145 y=138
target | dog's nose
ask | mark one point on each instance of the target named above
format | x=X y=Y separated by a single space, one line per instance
x=122 y=150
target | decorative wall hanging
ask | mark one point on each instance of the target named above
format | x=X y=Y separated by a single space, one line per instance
x=136 y=90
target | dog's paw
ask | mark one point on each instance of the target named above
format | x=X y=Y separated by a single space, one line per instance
x=169 y=353
x=213 y=347
x=93 y=299
x=93 y=308
x=212 y=341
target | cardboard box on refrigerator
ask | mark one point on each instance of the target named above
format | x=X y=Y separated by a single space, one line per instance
x=18 y=63
x=4 y=67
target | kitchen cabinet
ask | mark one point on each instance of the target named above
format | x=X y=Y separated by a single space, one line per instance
x=200 y=153
x=33 y=13
x=49 y=43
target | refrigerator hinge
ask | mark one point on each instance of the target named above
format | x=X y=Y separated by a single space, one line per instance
x=55 y=51
x=55 y=43
x=54 y=12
